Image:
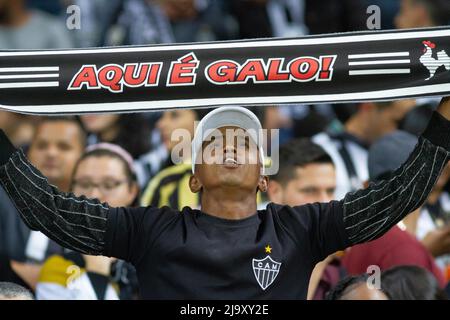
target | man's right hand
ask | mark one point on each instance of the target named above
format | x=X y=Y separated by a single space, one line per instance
x=438 y=241
x=98 y=264
x=444 y=108
x=6 y=148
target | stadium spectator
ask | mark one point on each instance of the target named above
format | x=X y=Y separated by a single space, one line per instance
x=96 y=22
x=105 y=172
x=411 y=283
x=129 y=131
x=55 y=148
x=12 y=291
x=306 y=175
x=363 y=125
x=133 y=132
x=356 y=288
x=170 y=187
x=22 y=28
x=50 y=6
x=137 y=22
x=19 y=126
x=21 y=130
x=310 y=120
x=415 y=120
x=332 y=16
x=399 y=283
x=289 y=18
x=275 y=119
x=186 y=19
x=423 y=13
x=397 y=247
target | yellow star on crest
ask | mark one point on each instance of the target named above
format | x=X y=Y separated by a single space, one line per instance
x=268 y=249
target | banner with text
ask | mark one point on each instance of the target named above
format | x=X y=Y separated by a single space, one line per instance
x=335 y=68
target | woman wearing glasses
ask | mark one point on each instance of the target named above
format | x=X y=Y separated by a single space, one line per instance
x=105 y=171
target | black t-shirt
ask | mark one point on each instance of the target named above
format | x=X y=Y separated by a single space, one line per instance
x=192 y=255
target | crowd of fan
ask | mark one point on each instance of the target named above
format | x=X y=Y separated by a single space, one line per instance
x=325 y=151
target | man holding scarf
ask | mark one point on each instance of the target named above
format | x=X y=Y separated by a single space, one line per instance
x=228 y=249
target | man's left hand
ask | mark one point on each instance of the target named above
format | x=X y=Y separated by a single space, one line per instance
x=444 y=107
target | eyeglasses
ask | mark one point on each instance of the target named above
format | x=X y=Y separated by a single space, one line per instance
x=105 y=187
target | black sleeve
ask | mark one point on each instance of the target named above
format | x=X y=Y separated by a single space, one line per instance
x=132 y=231
x=76 y=223
x=7 y=149
x=367 y=214
x=370 y=213
x=323 y=226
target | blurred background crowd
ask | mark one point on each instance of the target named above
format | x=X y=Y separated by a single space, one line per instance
x=325 y=150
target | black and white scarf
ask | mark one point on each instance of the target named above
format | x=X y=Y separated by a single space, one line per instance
x=335 y=68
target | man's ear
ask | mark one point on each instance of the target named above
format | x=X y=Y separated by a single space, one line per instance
x=194 y=184
x=275 y=192
x=263 y=183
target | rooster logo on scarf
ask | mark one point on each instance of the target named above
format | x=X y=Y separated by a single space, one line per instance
x=432 y=63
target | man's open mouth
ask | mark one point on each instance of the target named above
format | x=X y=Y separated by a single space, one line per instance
x=230 y=163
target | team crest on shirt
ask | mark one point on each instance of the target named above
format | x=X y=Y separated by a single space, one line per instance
x=266 y=270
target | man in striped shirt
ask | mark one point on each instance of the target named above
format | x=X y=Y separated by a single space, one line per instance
x=228 y=249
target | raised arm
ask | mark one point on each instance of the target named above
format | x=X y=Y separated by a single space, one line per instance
x=78 y=223
x=74 y=222
x=369 y=213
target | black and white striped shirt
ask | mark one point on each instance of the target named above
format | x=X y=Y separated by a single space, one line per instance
x=195 y=255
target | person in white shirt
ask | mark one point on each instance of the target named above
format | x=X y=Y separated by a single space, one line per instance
x=348 y=149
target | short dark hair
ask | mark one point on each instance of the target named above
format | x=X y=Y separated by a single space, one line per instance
x=439 y=10
x=296 y=154
x=343 y=286
x=344 y=112
x=411 y=283
x=417 y=119
x=11 y=290
x=72 y=119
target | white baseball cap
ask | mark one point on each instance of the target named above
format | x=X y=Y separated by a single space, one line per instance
x=230 y=116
